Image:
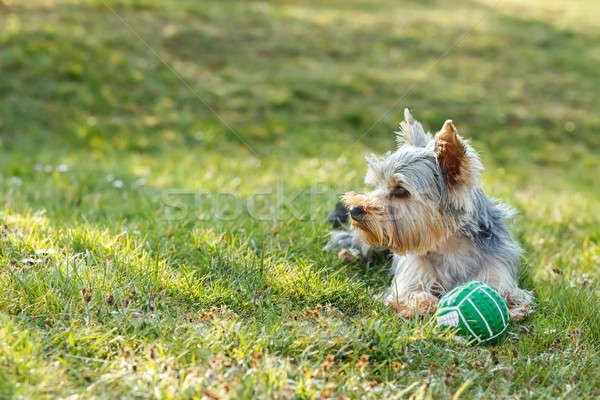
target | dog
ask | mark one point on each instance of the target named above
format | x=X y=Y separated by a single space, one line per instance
x=428 y=208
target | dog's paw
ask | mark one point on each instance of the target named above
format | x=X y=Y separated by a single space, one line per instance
x=520 y=312
x=520 y=304
x=415 y=303
x=349 y=255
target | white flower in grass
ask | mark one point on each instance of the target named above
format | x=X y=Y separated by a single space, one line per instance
x=15 y=180
x=62 y=168
x=117 y=184
x=39 y=252
x=30 y=261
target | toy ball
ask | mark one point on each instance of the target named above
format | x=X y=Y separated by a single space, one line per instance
x=476 y=311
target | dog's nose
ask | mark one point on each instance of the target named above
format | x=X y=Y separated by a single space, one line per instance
x=357 y=212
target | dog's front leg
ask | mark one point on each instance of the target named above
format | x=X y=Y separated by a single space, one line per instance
x=412 y=289
x=418 y=303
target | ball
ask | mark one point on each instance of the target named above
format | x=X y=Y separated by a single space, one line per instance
x=476 y=311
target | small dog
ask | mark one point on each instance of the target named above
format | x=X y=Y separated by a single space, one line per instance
x=428 y=208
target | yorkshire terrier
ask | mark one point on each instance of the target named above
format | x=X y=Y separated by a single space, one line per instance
x=427 y=208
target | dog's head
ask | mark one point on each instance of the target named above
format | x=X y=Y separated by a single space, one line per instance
x=420 y=192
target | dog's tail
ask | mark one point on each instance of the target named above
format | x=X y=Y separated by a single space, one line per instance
x=339 y=216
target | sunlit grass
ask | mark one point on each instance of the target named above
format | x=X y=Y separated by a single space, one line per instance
x=152 y=249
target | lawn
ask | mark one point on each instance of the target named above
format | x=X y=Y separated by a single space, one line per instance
x=166 y=169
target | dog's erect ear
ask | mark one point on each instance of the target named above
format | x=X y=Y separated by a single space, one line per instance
x=450 y=152
x=460 y=166
x=408 y=116
x=411 y=132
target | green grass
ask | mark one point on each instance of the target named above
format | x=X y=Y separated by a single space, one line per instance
x=178 y=255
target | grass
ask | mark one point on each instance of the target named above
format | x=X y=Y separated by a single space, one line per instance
x=166 y=169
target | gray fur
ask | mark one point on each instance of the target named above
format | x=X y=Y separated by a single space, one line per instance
x=349 y=240
x=412 y=132
x=479 y=247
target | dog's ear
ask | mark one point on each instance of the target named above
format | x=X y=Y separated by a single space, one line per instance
x=412 y=132
x=460 y=166
x=450 y=152
x=458 y=161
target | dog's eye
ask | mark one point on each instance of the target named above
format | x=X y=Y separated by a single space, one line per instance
x=399 y=192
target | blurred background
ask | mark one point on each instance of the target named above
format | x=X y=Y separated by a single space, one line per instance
x=108 y=107
x=166 y=169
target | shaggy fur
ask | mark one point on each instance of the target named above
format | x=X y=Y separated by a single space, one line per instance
x=427 y=206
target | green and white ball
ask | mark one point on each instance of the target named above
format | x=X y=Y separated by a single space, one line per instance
x=476 y=310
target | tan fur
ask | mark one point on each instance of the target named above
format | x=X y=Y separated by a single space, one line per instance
x=451 y=154
x=419 y=303
x=370 y=204
x=394 y=224
x=438 y=239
